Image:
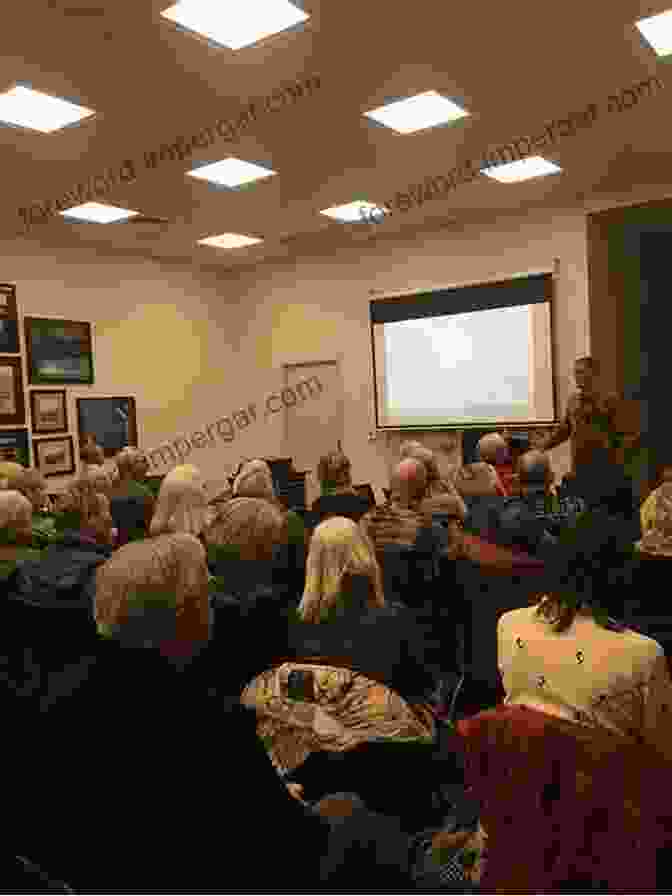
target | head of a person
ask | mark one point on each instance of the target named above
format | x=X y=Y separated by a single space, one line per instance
x=254 y=480
x=493 y=449
x=408 y=482
x=474 y=480
x=181 y=505
x=417 y=451
x=132 y=464
x=154 y=593
x=535 y=472
x=88 y=506
x=16 y=518
x=586 y=372
x=590 y=569
x=333 y=472
x=11 y=472
x=251 y=528
x=342 y=573
x=90 y=452
x=33 y=485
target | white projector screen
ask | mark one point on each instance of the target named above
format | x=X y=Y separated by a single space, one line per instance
x=478 y=367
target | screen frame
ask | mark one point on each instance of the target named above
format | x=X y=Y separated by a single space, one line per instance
x=461 y=427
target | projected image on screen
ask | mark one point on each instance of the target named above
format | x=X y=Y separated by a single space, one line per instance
x=476 y=367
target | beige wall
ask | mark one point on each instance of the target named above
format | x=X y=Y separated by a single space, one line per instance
x=193 y=347
x=318 y=308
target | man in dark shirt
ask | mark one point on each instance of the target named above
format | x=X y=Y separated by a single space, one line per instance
x=533 y=520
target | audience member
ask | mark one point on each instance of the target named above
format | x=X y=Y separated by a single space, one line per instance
x=478 y=480
x=84 y=509
x=254 y=480
x=338 y=497
x=657 y=538
x=648 y=509
x=568 y=657
x=354 y=683
x=33 y=485
x=16 y=531
x=437 y=485
x=91 y=454
x=494 y=450
x=9 y=469
x=181 y=505
x=131 y=500
x=532 y=520
x=402 y=521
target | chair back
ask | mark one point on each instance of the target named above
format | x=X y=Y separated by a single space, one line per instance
x=563 y=805
x=482 y=511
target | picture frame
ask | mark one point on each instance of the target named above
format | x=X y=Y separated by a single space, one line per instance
x=59 y=352
x=48 y=411
x=12 y=405
x=111 y=421
x=9 y=320
x=15 y=446
x=55 y=456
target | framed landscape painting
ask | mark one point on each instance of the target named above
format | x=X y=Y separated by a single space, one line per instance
x=48 y=411
x=59 y=352
x=14 y=446
x=12 y=407
x=9 y=320
x=55 y=457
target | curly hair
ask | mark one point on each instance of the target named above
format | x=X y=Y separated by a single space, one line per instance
x=253 y=526
x=333 y=471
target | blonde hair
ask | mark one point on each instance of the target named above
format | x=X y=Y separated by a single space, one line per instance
x=252 y=525
x=254 y=481
x=146 y=584
x=338 y=550
x=181 y=505
x=16 y=511
x=9 y=470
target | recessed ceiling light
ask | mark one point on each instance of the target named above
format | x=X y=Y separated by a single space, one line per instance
x=425 y=110
x=231 y=172
x=360 y=210
x=28 y=108
x=514 y=172
x=229 y=241
x=97 y=213
x=658 y=32
x=235 y=25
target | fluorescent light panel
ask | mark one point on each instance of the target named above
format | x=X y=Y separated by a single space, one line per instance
x=425 y=110
x=229 y=241
x=657 y=30
x=235 y=25
x=525 y=169
x=231 y=172
x=97 y=213
x=29 y=108
x=353 y=211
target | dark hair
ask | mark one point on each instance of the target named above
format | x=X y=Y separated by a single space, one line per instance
x=590 y=567
x=333 y=470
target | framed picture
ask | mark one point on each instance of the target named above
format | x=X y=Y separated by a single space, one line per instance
x=14 y=446
x=111 y=421
x=48 y=411
x=12 y=407
x=9 y=320
x=59 y=352
x=55 y=457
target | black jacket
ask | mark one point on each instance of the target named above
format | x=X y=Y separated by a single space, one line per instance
x=383 y=644
x=353 y=507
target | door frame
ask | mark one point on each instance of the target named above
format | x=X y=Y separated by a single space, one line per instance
x=336 y=359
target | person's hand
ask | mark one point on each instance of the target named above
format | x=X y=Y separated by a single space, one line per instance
x=296 y=790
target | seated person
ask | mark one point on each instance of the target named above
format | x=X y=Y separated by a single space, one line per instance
x=403 y=520
x=131 y=501
x=365 y=675
x=338 y=497
x=91 y=454
x=568 y=657
x=657 y=516
x=10 y=470
x=532 y=521
x=478 y=480
x=16 y=531
x=181 y=505
x=648 y=509
x=32 y=485
x=85 y=510
x=493 y=449
x=438 y=488
x=156 y=675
